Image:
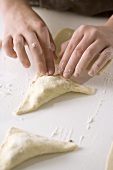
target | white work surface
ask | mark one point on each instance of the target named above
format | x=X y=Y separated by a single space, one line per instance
x=70 y=111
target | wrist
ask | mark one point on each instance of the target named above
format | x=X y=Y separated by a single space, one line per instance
x=109 y=23
x=9 y=5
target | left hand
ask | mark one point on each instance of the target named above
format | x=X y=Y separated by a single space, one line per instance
x=86 y=42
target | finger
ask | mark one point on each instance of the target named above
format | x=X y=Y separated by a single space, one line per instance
x=20 y=50
x=44 y=39
x=104 y=57
x=36 y=51
x=8 y=47
x=76 y=55
x=50 y=63
x=63 y=48
x=49 y=58
x=53 y=47
x=76 y=38
x=88 y=56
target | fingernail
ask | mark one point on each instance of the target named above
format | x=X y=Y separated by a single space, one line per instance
x=50 y=73
x=66 y=75
x=27 y=65
x=91 y=73
x=43 y=73
x=13 y=56
x=76 y=74
x=60 y=70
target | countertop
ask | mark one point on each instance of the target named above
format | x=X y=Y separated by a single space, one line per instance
x=67 y=112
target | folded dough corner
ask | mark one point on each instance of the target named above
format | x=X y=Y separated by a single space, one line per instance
x=20 y=146
x=46 y=88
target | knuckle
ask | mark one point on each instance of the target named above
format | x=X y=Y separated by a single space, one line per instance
x=6 y=43
x=98 y=65
x=79 y=51
x=17 y=42
x=95 y=32
x=79 y=68
x=90 y=52
x=41 y=54
x=83 y=27
x=106 y=55
x=30 y=36
x=41 y=25
x=28 y=28
x=71 y=46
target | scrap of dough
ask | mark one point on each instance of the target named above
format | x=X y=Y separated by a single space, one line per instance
x=20 y=146
x=46 y=88
x=109 y=162
x=65 y=35
x=61 y=37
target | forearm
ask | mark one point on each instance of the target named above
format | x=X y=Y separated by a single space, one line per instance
x=6 y=5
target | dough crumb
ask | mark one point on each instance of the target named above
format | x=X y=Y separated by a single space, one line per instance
x=90 y=120
x=81 y=139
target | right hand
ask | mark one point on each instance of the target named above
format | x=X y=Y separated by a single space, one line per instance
x=23 y=26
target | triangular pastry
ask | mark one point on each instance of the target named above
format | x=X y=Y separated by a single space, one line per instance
x=45 y=88
x=109 y=162
x=20 y=146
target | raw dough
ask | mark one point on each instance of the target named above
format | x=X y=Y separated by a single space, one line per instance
x=45 y=88
x=20 y=146
x=109 y=162
x=65 y=35
x=61 y=37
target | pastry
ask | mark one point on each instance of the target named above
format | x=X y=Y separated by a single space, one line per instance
x=46 y=88
x=20 y=146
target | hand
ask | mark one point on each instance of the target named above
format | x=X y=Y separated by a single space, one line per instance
x=23 y=26
x=86 y=42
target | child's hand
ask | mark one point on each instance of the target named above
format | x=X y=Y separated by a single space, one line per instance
x=23 y=26
x=86 y=42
